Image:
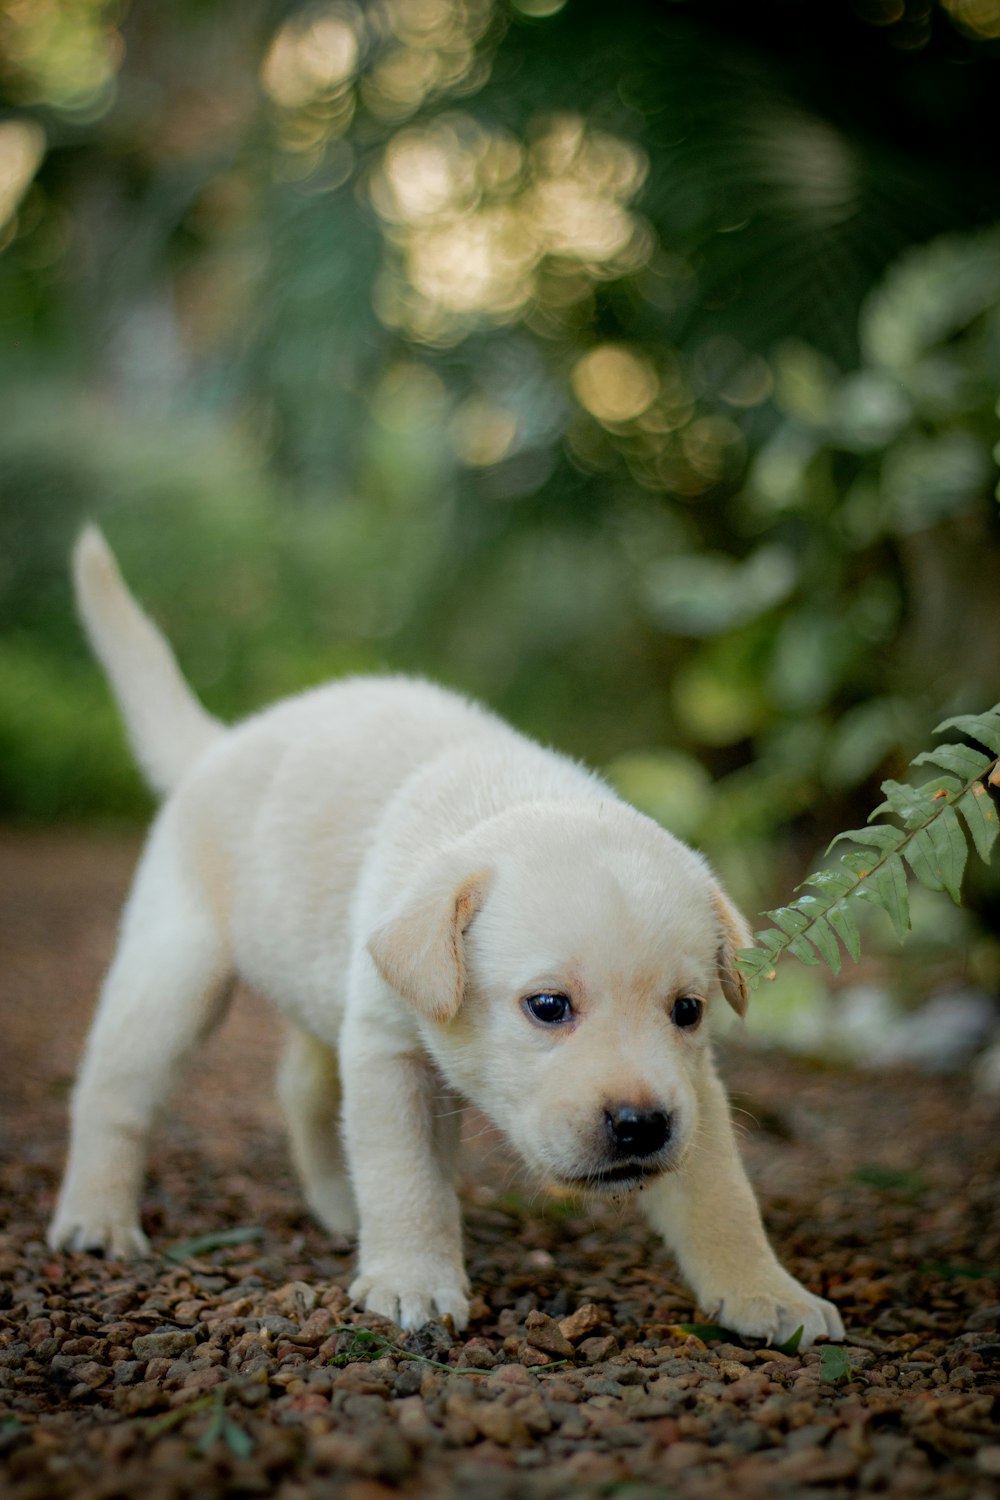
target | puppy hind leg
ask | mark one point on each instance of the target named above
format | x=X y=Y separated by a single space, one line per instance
x=310 y=1094
x=165 y=989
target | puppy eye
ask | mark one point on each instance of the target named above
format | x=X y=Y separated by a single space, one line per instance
x=687 y=1012
x=550 y=1009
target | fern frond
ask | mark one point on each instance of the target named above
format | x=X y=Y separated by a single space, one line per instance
x=932 y=841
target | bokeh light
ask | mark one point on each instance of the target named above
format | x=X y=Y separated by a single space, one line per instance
x=614 y=383
x=22 y=146
x=979 y=17
x=475 y=215
x=62 y=53
x=312 y=55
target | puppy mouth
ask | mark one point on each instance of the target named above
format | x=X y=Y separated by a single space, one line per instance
x=613 y=1179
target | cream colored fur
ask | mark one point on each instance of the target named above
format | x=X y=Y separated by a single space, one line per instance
x=397 y=870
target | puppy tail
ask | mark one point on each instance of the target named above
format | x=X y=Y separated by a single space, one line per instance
x=167 y=726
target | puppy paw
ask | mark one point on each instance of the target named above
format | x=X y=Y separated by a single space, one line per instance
x=412 y=1296
x=774 y=1307
x=101 y=1234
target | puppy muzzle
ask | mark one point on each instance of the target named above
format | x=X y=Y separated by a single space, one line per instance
x=635 y=1146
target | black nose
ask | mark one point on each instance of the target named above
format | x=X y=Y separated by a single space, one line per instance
x=636 y=1132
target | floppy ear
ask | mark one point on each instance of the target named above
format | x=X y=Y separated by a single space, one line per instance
x=419 y=950
x=734 y=933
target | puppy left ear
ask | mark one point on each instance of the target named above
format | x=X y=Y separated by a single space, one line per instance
x=419 y=951
x=734 y=933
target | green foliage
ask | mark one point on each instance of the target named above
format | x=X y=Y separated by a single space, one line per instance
x=791 y=1345
x=221 y=1428
x=891 y=1179
x=622 y=367
x=203 y=1244
x=835 y=1364
x=716 y=1332
x=928 y=835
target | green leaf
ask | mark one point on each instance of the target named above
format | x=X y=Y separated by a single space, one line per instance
x=801 y=949
x=966 y=763
x=921 y=860
x=202 y=1243
x=979 y=811
x=238 y=1441
x=355 y=1345
x=835 y=881
x=886 y=885
x=755 y=962
x=789 y=920
x=954 y=1272
x=882 y=836
x=947 y=830
x=811 y=906
x=982 y=727
x=826 y=944
x=771 y=939
x=914 y=804
x=791 y=1345
x=905 y=1179
x=221 y=1425
x=841 y=919
x=214 y=1427
x=156 y=1426
x=835 y=1363
x=937 y=854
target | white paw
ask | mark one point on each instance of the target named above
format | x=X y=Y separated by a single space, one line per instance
x=414 y=1293
x=774 y=1307
x=102 y=1233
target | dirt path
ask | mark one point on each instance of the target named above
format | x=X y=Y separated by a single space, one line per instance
x=242 y=1370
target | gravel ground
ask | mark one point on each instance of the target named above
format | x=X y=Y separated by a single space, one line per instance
x=240 y=1368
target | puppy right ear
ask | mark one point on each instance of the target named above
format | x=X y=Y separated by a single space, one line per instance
x=734 y=933
x=419 y=951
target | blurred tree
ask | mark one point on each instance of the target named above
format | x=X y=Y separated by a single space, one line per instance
x=633 y=368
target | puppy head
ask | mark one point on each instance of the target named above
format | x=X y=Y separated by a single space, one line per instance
x=564 y=964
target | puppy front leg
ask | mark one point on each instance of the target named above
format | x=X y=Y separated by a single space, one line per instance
x=708 y=1215
x=400 y=1139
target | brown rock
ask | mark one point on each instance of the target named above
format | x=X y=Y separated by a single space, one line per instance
x=506 y=1375
x=586 y=1320
x=164 y=1343
x=544 y=1333
x=92 y=1374
x=598 y=1349
x=188 y=1313
x=315 y=1329
x=988 y=1460
x=663 y=1431
x=477 y=1353
x=502 y=1423
x=134 y=1399
x=413 y=1421
x=531 y=1357
x=817 y=1466
x=204 y=1379
x=684 y=1454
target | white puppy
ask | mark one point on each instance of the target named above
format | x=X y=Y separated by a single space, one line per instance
x=443 y=911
